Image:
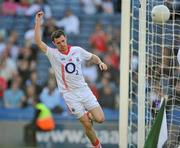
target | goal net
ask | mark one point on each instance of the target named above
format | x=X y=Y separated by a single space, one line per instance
x=162 y=72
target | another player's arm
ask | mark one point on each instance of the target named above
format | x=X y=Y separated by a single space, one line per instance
x=96 y=60
x=37 y=29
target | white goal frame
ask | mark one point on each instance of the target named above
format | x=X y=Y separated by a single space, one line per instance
x=124 y=74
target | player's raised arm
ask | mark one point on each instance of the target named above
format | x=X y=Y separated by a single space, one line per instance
x=95 y=59
x=38 y=39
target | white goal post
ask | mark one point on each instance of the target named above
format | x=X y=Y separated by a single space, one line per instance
x=124 y=74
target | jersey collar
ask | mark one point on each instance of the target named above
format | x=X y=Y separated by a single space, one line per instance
x=67 y=51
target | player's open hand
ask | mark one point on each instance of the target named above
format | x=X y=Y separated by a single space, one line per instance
x=103 y=66
x=39 y=15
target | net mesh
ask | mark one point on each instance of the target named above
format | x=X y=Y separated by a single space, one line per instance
x=162 y=70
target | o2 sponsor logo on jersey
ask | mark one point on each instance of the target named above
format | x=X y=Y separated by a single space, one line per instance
x=71 y=68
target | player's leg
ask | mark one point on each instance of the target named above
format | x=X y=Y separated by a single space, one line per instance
x=97 y=114
x=93 y=106
x=77 y=108
x=90 y=131
x=77 y=102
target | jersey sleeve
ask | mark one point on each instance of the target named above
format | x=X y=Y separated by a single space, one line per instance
x=49 y=52
x=85 y=55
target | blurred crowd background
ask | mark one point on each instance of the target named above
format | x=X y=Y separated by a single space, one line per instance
x=25 y=73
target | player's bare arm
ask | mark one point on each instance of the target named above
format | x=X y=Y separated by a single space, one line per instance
x=96 y=60
x=38 y=39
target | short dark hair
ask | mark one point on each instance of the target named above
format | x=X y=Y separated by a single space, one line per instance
x=57 y=34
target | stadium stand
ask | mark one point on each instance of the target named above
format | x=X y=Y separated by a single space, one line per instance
x=22 y=23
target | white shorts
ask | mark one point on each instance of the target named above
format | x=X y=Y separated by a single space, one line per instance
x=80 y=100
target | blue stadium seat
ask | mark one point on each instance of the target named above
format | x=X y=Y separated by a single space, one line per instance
x=28 y=113
x=7 y=22
x=16 y=114
x=42 y=68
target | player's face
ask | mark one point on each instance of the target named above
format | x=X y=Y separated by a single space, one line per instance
x=61 y=42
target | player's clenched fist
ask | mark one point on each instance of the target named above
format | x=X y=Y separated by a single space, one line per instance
x=102 y=66
x=39 y=15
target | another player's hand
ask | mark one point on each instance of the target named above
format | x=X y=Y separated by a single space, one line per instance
x=39 y=15
x=103 y=66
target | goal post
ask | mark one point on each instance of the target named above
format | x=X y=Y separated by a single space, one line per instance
x=124 y=74
x=141 y=74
